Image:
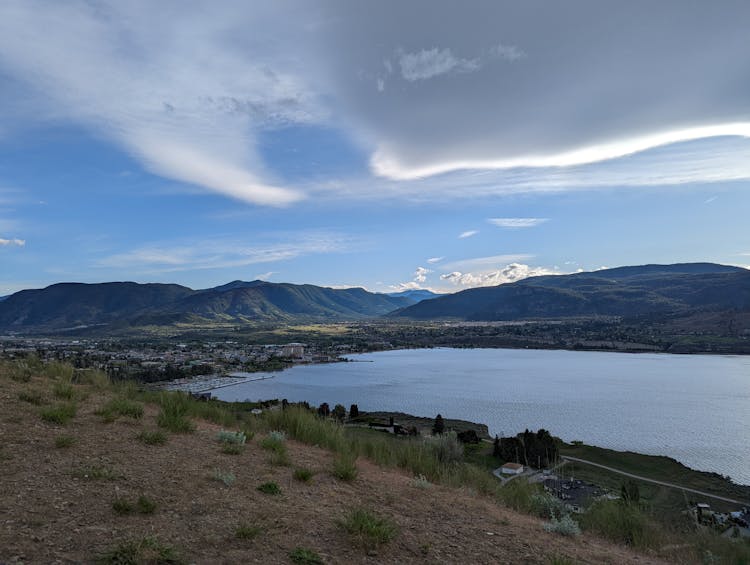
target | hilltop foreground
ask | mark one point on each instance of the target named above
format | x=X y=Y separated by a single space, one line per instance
x=92 y=488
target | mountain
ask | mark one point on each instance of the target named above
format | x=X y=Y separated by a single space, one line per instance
x=75 y=305
x=3 y=298
x=648 y=290
x=415 y=296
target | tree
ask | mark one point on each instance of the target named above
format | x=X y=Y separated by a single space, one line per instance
x=439 y=427
x=353 y=411
x=339 y=412
x=324 y=410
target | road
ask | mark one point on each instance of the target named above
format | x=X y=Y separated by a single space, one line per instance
x=647 y=480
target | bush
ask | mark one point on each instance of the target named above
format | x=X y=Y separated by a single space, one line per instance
x=32 y=397
x=368 y=529
x=565 y=526
x=280 y=458
x=547 y=506
x=622 y=523
x=59 y=414
x=152 y=437
x=345 y=467
x=303 y=475
x=232 y=448
x=274 y=441
x=64 y=391
x=236 y=438
x=121 y=407
x=420 y=481
x=302 y=556
x=270 y=488
x=122 y=506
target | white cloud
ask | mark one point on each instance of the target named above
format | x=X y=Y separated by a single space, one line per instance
x=507 y=274
x=15 y=242
x=420 y=275
x=265 y=276
x=508 y=52
x=429 y=63
x=433 y=260
x=515 y=223
x=483 y=263
x=469 y=233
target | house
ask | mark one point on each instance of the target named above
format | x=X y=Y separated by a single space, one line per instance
x=511 y=469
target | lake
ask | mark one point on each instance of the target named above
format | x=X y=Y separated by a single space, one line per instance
x=695 y=408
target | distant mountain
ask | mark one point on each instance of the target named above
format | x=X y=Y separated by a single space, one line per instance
x=649 y=290
x=76 y=305
x=416 y=295
x=3 y=298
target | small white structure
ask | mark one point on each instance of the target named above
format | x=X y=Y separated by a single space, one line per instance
x=511 y=469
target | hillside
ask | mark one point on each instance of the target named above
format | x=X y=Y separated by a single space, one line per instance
x=652 y=291
x=109 y=484
x=75 y=305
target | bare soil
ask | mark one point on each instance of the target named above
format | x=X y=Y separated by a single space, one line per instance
x=50 y=512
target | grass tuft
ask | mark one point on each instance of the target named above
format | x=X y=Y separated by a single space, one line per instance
x=32 y=396
x=303 y=556
x=247 y=532
x=121 y=407
x=63 y=442
x=64 y=391
x=270 y=488
x=232 y=448
x=152 y=437
x=173 y=417
x=95 y=473
x=303 y=475
x=146 y=550
x=345 y=467
x=59 y=414
x=368 y=529
x=227 y=478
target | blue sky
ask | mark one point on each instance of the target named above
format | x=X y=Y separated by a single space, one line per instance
x=198 y=144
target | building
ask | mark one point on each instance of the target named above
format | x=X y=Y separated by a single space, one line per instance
x=511 y=469
x=293 y=350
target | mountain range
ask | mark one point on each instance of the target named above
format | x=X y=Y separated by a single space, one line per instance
x=649 y=291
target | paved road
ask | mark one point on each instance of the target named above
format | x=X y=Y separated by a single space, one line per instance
x=662 y=483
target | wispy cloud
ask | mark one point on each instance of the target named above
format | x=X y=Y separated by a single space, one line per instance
x=516 y=223
x=222 y=253
x=429 y=63
x=433 y=260
x=507 y=52
x=484 y=263
x=15 y=242
x=469 y=233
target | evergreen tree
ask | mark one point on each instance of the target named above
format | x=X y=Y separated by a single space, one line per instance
x=439 y=427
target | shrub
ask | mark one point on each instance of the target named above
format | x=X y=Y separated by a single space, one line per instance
x=420 y=481
x=303 y=475
x=280 y=458
x=145 y=505
x=623 y=523
x=64 y=391
x=31 y=396
x=59 y=414
x=237 y=438
x=152 y=437
x=122 y=506
x=345 y=467
x=519 y=495
x=447 y=448
x=247 y=532
x=62 y=442
x=231 y=448
x=270 y=488
x=225 y=477
x=368 y=529
x=302 y=556
x=174 y=411
x=565 y=526
x=547 y=506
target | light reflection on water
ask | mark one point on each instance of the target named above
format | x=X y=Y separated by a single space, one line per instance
x=695 y=408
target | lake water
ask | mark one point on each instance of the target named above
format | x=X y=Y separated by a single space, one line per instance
x=695 y=408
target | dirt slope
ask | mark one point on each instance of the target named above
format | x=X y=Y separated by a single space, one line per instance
x=50 y=512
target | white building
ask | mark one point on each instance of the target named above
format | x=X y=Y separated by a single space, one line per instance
x=511 y=469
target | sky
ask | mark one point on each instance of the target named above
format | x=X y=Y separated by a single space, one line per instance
x=388 y=145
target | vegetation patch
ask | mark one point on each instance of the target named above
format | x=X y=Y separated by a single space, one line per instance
x=302 y=556
x=32 y=396
x=96 y=472
x=233 y=438
x=232 y=449
x=368 y=529
x=270 y=488
x=121 y=407
x=227 y=478
x=59 y=414
x=64 y=391
x=174 y=413
x=63 y=442
x=345 y=467
x=152 y=437
x=144 y=505
x=303 y=475
x=247 y=531
x=146 y=550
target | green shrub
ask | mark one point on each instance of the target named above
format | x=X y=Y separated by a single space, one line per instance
x=152 y=437
x=236 y=438
x=247 y=532
x=225 y=477
x=145 y=505
x=32 y=396
x=420 y=481
x=62 y=442
x=122 y=506
x=367 y=528
x=302 y=556
x=280 y=458
x=447 y=448
x=232 y=448
x=270 y=488
x=274 y=441
x=59 y=414
x=547 y=506
x=303 y=475
x=565 y=526
x=174 y=413
x=345 y=467
x=519 y=495
x=64 y=391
